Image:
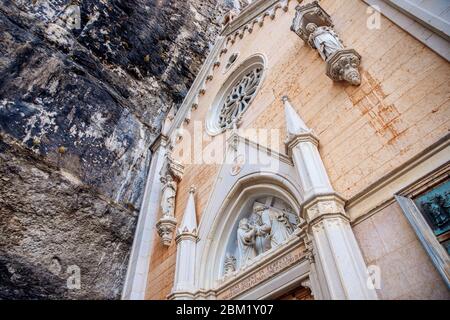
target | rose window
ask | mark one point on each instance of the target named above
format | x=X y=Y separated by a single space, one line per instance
x=239 y=98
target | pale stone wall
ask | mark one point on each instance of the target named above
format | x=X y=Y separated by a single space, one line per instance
x=388 y=241
x=401 y=107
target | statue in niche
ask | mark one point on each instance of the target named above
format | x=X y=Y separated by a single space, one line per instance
x=281 y=228
x=263 y=228
x=168 y=196
x=246 y=242
x=324 y=39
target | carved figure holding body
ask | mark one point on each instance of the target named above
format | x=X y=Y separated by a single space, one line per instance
x=263 y=228
x=246 y=242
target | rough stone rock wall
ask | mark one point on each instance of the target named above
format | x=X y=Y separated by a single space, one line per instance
x=80 y=103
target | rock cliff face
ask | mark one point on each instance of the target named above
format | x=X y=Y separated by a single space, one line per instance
x=84 y=86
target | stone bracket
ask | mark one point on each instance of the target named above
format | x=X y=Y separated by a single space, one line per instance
x=166 y=227
x=343 y=65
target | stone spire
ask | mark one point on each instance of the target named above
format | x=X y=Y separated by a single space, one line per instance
x=184 y=284
x=294 y=124
x=189 y=223
x=302 y=145
x=324 y=212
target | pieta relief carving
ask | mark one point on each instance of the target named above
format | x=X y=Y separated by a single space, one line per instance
x=263 y=225
x=315 y=27
x=171 y=173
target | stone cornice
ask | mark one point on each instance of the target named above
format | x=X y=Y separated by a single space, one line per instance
x=197 y=88
x=409 y=174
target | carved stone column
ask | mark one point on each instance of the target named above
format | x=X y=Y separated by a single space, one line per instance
x=184 y=283
x=315 y=27
x=341 y=269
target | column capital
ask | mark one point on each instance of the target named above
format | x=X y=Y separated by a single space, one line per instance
x=186 y=235
x=322 y=206
x=294 y=139
x=188 y=227
x=181 y=295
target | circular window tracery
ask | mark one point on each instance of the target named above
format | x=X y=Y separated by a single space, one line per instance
x=235 y=96
x=239 y=98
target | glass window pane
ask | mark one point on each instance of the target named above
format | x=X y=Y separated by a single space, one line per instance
x=435 y=206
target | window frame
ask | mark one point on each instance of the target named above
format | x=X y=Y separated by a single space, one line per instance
x=405 y=198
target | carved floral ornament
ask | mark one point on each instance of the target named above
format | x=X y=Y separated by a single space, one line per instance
x=239 y=97
x=315 y=27
x=171 y=173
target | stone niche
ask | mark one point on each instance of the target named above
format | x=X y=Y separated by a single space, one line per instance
x=170 y=175
x=263 y=225
x=314 y=26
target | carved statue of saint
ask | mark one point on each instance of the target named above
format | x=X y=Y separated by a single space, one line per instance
x=168 y=196
x=324 y=39
x=281 y=228
x=263 y=228
x=246 y=242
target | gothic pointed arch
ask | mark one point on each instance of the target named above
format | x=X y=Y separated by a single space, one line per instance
x=220 y=228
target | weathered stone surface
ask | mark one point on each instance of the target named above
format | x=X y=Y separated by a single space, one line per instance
x=47 y=218
x=87 y=102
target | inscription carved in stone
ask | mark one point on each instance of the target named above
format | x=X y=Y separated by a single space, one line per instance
x=263 y=274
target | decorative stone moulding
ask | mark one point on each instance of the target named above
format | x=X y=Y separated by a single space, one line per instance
x=314 y=26
x=324 y=205
x=343 y=65
x=166 y=227
x=171 y=173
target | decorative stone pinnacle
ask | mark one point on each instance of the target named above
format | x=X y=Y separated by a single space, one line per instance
x=189 y=223
x=294 y=124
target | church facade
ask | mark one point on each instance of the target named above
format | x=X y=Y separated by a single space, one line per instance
x=309 y=160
